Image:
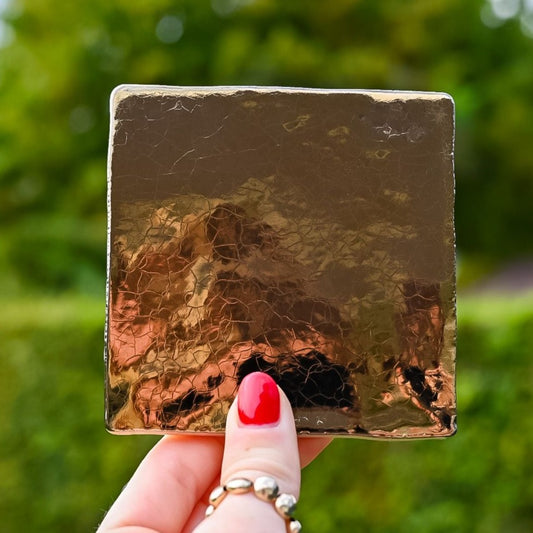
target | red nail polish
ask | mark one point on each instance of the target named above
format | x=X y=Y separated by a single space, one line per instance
x=258 y=400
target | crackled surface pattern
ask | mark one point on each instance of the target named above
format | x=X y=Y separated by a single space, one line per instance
x=306 y=234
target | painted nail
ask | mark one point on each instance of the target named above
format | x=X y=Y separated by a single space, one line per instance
x=258 y=400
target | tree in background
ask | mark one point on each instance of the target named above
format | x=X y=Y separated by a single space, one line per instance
x=59 y=64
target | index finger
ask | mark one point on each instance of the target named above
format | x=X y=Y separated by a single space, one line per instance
x=311 y=447
x=167 y=485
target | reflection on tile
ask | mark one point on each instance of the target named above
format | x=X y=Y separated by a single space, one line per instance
x=304 y=233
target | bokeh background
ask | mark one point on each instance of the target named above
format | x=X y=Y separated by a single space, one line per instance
x=59 y=469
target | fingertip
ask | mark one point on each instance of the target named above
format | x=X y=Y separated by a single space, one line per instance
x=258 y=400
x=263 y=449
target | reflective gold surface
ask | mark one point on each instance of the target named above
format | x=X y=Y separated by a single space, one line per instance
x=304 y=233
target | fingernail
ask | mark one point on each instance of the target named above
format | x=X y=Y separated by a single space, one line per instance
x=258 y=400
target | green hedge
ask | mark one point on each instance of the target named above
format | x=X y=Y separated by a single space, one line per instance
x=59 y=469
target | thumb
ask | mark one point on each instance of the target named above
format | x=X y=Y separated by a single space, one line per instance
x=260 y=441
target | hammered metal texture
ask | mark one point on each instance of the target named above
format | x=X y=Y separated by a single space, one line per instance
x=304 y=233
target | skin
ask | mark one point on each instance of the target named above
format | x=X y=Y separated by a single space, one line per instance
x=169 y=491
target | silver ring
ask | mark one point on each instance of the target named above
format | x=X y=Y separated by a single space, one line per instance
x=265 y=488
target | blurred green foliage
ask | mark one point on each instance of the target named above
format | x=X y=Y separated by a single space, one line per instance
x=58 y=63
x=60 y=470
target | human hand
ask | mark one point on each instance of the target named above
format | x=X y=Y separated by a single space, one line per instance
x=169 y=491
